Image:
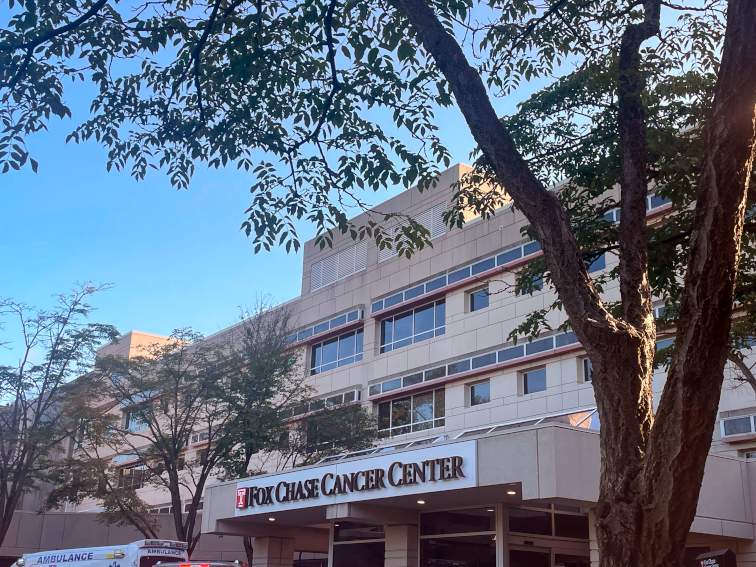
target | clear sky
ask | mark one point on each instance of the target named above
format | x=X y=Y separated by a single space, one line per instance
x=174 y=258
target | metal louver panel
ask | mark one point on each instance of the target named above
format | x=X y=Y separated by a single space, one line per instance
x=316 y=281
x=432 y=219
x=338 y=266
x=360 y=259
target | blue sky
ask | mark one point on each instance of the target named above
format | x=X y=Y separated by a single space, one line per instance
x=174 y=258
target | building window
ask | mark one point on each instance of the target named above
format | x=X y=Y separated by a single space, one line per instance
x=553 y=520
x=338 y=351
x=534 y=380
x=480 y=392
x=412 y=413
x=413 y=326
x=737 y=426
x=597 y=264
x=132 y=477
x=133 y=421
x=478 y=299
x=586 y=369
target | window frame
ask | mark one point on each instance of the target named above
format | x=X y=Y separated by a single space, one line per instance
x=356 y=356
x=436 y=329
x=412 y=426
x=471 y=395
x=471 y=298
x=586 y=370
x=523 y=379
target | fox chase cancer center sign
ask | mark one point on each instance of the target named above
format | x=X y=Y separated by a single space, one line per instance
x=433 y=469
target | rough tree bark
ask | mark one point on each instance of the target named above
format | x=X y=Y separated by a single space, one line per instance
x=651 y=468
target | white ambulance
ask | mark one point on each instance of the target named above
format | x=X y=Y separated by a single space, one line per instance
x=143 y=553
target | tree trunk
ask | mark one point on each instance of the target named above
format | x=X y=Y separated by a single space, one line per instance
x=651 y=471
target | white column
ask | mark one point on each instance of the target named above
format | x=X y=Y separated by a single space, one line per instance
x=273 y=552
x=401 y=546
x=592 y=539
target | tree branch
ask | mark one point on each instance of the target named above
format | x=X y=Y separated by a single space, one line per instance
x=31 y=45
x=541 y=207
x=633 y=238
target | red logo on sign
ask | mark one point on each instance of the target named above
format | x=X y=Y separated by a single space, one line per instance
x=241 y=497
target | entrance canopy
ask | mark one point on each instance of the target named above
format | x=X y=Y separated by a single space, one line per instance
x=545 y=462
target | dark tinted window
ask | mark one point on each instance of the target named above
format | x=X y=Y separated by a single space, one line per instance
x=568 y=525
x=458 y=521
x=529 y=521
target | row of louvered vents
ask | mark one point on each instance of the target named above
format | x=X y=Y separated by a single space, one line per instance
x=340 y=265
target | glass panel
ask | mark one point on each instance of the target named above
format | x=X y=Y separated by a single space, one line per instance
x=338 y=321
x=484 y=360
x=509 y=256
x=401 y=412
x=587 y=370
x=353 y=315
x=529 y=521
x=434 y=373
x=568 y=525
x=384 y=415
x=377 y=306
x=322 y=327
x=656 y=201
x=440 y=313
x=534 y=380
x=414 y=292
x=422 y=407
x=737 y=426
x=412 y=379
x=573 y=419
x=480 y=393
x=479 y=299
x=374 y=389
x=598 y=264
x=393 y=300
x=403 y=326
x=531 y=247
x=347 y=345
x=353 y=531
x=483 y=265
x=358 y=341
x=465 y=551
x=458 y=275
x=566 y=339
x=461 y=366
x=439 y=404
x=424 y=319
x=387 y=331
x=389 y=385
x=330 y=354
x=514 y=425
x=458 y=521
x=511 y=353
x=433 y=285
x=540 y=345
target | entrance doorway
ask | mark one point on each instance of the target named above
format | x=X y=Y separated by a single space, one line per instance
x=358 y=544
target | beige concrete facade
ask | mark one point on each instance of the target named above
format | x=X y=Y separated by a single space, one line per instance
x=528 y=408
